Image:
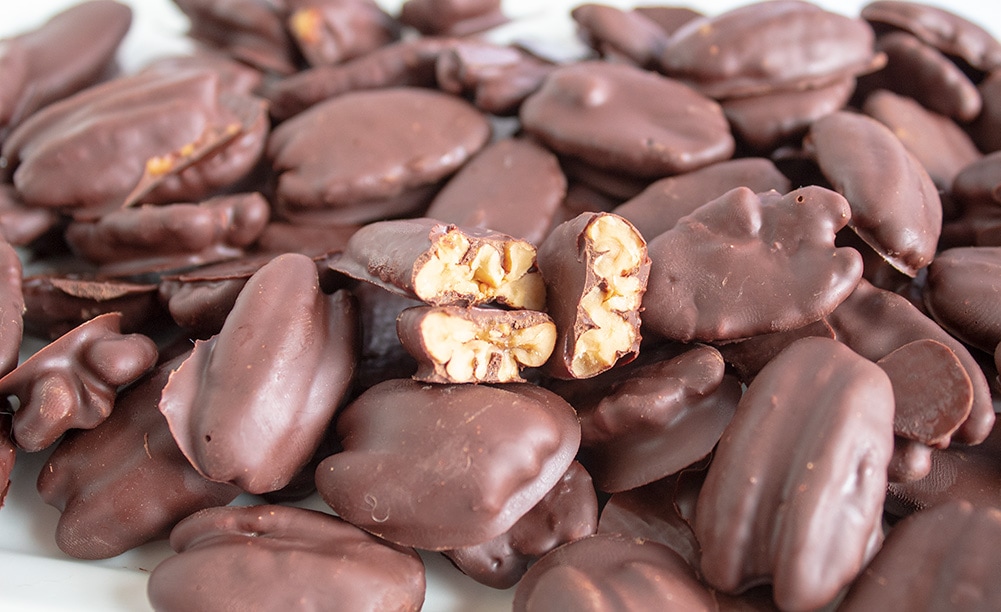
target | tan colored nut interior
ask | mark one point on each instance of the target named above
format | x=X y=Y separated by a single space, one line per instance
x=618 y=252
x=305 y=25
x=471 y=353
x=484 y=272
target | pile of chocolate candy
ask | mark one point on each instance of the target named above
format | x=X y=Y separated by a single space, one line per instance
x=706 y=319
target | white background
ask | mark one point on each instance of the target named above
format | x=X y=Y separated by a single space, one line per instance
x=34 y=574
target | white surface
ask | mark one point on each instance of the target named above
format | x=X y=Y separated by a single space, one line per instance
x=34 y=575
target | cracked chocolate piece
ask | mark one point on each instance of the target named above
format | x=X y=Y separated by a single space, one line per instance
x=624 y=119
x=944 y=30
x=170 y=237
x=235 y=557
x=606 y=572
x=659 y=207
x=56 y=304
x=252 y=31
x=173 y=137
x=513 y=186
x=70 y=52
x=250 y=405
x=747 y=264
x=329 y=32
x=875 y=322
x=961 y=294
x=443 y=264
x=595 y=267
x=653 y=417
x=931 y=389
x=895 y=206
x=764 y=46
x=452 y=17
x=125 y=482
x=807 y=450
x=453 y=344
x=370 y=155
x=11 y=307
x=943 y=558
x=497 y=79
x=72 y=383
x=626 y=35
x=441 y=467
x=568 y=512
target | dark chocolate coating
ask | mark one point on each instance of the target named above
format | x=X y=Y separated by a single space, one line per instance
x=669 y=18
x=911 y=461
x=620 y=34
x=970 y=473
x=125 y=482
x=986 y=130
x=513 y=186
x=944 y=558
x=11 y=307
x=271 y=557
x=451 y=17
x=940 y=144
x=252 y=31
x=961 y=294
x=798 y=479
x=66 y=54
x=659 y=207
x=568 y=512
x=56 y=304
x=944 y=30
x=347 y=155
x=874 y=322
x=251 y=404
x=72 y=382
x=931 y=390
x=92 y=150
x=8 y=455
x=976 y=192
x=20 y=225
x=747 y=264
x=919 y=71
x=749 y=355
x=610 y=572
x=234 y=75
x=382 y=355
x=496 y=79
x=200 y=300
x=625 y=119
x=765 y=46
x=440 y=467
x=333 y=31
x=170 y=237
x=652 y=421
x=895 y=206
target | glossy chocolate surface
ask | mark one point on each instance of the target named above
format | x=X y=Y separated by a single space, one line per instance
x=961 y=294
x=451 y=17
x=447 y=466
x=621 y=34
x=11 y=307
x=333 y=31
x=289 y=558
x=56 y=304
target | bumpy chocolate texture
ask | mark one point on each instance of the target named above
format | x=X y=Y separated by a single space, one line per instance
x=808 y=446
x=895 y=206
x=170 y=237
x=653 y=420
x=786 y=44
x=513 y=186
x=610 y=572
x=961 y=294
x=333 y=31
x=70 y=52
x=595 y=267
x=124 y=483
x=747 y=264
x=72 y=382
x=11 y=307
x=250 y=405
x=622 y=118
x=440 y=467
x=875 y=322
x=496 y=79
x=279 y=557
x=451 y=17
x=55 y=163
x=568 y=512
x=371 y=155
x=944 y=558
x=453 y=344
x=442 y=264
x=660 y=205
x=56 y=304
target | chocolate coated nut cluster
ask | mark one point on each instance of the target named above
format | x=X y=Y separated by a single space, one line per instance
x=705 y=317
